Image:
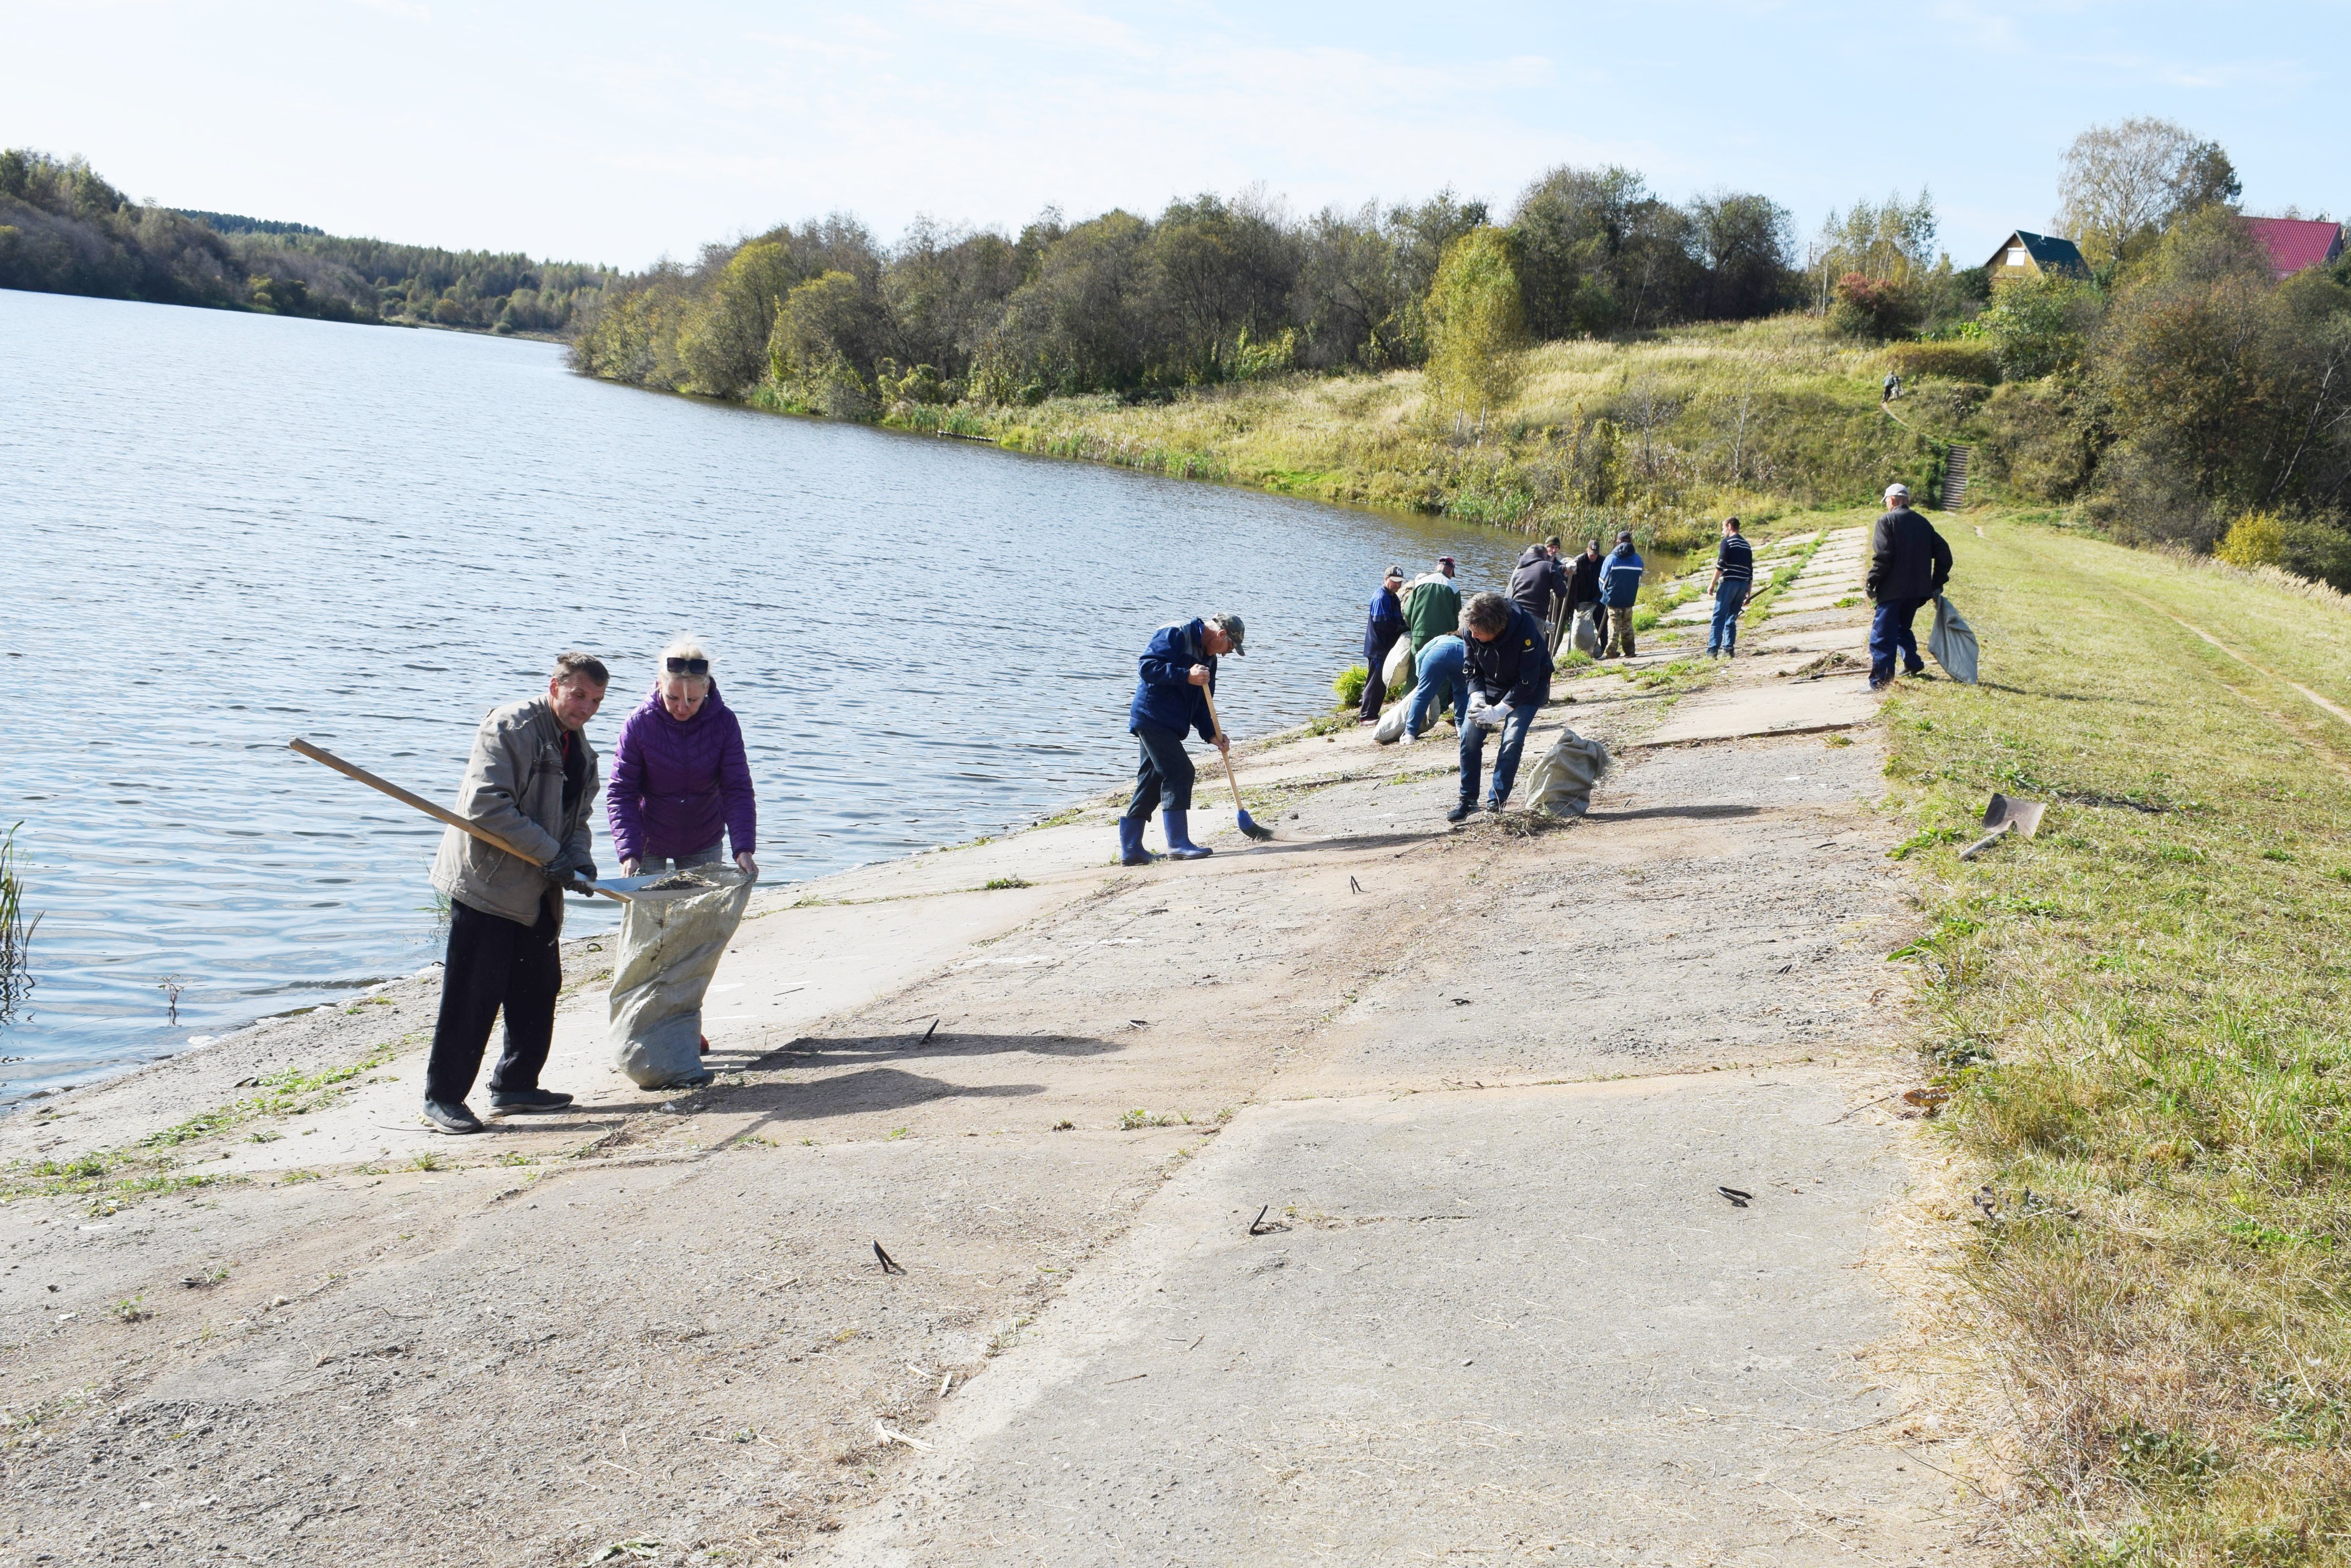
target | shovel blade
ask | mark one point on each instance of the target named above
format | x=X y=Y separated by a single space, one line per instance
x=2025 y=814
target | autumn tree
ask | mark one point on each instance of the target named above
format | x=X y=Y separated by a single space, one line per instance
x=2122 y=186
x=1477 y=323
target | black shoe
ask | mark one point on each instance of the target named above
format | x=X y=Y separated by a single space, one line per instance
x=1493 y=808
x=1460 y=814
x=451 y=1116
x=526 y=1099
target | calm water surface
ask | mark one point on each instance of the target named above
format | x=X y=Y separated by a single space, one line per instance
x=220 y=531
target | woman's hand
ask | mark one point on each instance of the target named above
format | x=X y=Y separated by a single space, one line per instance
x=1199 y=676
x=750 y=867
x=629 y=868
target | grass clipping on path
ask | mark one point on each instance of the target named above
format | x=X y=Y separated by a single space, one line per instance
x=2142 y=1018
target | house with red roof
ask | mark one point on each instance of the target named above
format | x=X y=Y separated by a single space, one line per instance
x=2294 y=243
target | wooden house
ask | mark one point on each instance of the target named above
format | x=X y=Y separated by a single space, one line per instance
x=2026 y=255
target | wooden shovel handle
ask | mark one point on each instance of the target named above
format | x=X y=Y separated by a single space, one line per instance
x=1221 y=752
x=439 y=813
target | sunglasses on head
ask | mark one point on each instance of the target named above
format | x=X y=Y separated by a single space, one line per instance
x=689 y=666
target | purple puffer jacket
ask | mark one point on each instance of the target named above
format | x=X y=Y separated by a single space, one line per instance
x=674 y=786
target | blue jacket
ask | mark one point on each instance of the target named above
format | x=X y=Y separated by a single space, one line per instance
x=1386 y=626
x=1166 y=696
x=1620 y=578
x=1515 y=667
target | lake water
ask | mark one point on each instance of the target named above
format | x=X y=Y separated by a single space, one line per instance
x=222 y=530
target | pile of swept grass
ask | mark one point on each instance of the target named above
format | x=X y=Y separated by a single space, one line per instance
x=1662 y=435
x=2141 y=1015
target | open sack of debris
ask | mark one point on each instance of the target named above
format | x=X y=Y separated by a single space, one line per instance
x=1562 y=781
x=672 y=934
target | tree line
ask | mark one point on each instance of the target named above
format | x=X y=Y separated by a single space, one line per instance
x=823 y=316
x=65 y=230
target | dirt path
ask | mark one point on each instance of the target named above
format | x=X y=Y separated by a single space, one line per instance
x=1486 y=1083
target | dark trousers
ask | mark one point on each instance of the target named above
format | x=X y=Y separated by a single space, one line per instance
x=1729 y=599
x=1163 y=778
x=1375 y=686
x=495 y=963
x=1889 y=633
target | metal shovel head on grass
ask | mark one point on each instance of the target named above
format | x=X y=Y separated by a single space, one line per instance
x=2006 y=814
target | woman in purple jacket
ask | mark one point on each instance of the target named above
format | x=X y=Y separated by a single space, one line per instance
x=680 y=781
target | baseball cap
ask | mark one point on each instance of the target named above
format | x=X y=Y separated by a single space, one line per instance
x=1898 y=488
x=1230 y=625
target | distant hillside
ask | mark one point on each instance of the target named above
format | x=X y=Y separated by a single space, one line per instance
x=64 y=230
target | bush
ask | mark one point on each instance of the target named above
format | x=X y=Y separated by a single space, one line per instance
x=1349 y=685
x=1956 y=361
x=1873 y=308
x=2303 y=546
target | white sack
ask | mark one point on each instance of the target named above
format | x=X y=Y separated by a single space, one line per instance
x=1563 y=780
x=673 y=935
x=1398 y=668
x=1953 y=643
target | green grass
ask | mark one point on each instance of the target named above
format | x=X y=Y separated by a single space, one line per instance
x=112 y=1178
x=2140 y=1014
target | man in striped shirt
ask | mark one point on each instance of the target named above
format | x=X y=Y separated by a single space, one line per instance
x=1734 y=585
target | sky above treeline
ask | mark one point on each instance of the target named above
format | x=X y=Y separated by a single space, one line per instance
x=608 y=133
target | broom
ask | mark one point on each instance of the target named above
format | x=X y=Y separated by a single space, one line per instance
x=1241 y=818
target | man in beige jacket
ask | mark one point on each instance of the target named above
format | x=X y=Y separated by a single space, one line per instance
x=530 y=780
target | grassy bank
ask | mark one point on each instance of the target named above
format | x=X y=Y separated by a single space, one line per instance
x=1662 y=435
x=2140 y=1018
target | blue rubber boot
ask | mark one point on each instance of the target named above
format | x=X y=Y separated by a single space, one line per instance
x=1180 y=838
x=1130 y=842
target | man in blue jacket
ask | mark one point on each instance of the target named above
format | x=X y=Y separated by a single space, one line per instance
x=1508 y=671
x=1620 y=587
x=1178 y=670
x=1380 y=628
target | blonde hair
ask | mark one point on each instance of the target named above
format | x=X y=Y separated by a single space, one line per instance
x=683 y=647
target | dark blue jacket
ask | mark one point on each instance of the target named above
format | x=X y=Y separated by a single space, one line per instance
x=1166 y=696
x=1515 y=667
x=1386 y=626
x=1620 y=578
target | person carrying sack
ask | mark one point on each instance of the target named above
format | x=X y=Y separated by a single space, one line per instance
x=1909 y=563
x=531 y=779
x=1382 y=627
x=1584 y=606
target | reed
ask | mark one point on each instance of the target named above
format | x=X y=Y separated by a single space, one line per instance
x=15 y=932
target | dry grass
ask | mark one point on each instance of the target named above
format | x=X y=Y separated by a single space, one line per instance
x=2140 y=1016
x=1662 y=434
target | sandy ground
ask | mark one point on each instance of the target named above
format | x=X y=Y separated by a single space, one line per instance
x=1354 y=1196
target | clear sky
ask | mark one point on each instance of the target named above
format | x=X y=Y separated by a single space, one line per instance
x=602 y=131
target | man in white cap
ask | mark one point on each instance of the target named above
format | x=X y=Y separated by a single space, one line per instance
x=1909 y=563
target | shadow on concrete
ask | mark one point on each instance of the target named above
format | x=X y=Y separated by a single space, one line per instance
x=847 y=1095
x=1351 y=842
x=1697 y=813
x=807 y=1051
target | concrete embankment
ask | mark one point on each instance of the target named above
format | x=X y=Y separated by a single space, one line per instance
x=1355 y=1196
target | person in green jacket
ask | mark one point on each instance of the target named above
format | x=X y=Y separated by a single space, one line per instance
x=1432 y=609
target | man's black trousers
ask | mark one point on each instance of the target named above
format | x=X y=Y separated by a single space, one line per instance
x=495 y=963
x=1163 y=776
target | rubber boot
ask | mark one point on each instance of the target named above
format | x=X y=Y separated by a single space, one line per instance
x=1180 y=838
x=1130 y=842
